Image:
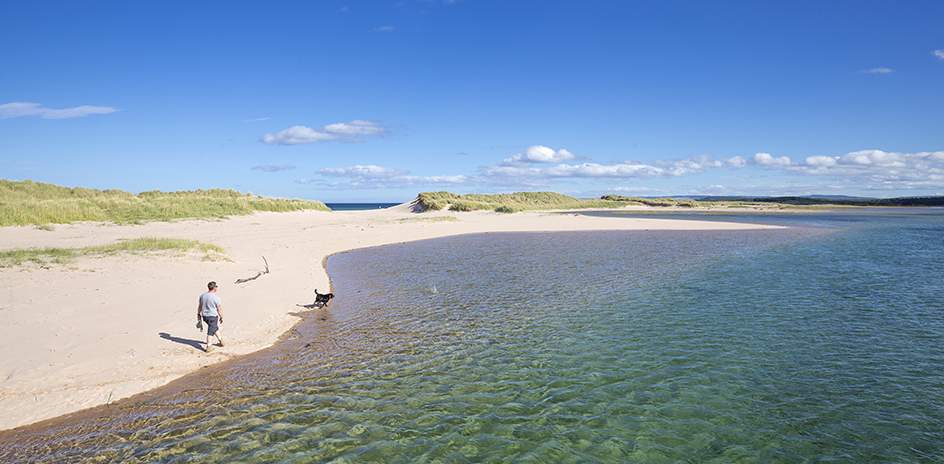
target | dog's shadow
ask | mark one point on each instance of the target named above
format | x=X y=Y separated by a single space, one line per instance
x=184 y=341
x=312 y=306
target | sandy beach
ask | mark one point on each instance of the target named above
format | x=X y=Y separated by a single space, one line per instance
x=97 y=330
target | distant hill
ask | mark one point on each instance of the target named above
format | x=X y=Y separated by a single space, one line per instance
x=747 y=197
x=812 y=200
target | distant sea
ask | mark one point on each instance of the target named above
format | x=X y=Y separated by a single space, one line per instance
x=358 y=206
x=820 y=342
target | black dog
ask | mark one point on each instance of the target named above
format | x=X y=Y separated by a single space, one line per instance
x=323 y=298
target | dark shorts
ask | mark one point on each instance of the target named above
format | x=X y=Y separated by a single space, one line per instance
x=212 y=323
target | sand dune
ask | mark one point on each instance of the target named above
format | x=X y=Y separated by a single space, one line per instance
x=83 y=334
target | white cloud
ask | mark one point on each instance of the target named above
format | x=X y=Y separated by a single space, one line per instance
x=370 y=171
x=356 y=127
x=859 y=170
x=736 y=162
x=520 y=167
x=271 y=168
x=868 y=157
x=879 y=71
x=621 y=170
x=349 y=132
x=538 y=154
x=383 y=28
x=375 y=177
x=297 y=135
x=691 y=165
x=20 y=109
x=879 y=167
x=766 y=159
x=939 y=54
x=821 y=161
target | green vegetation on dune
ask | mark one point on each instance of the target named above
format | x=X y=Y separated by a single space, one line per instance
x=513 y=202
x=27 y=202
x=43 y=256
x=653 y=201
x=508 y=202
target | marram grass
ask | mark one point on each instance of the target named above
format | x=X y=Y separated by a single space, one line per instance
x=509 y=202
x=43 y=256
x=654 y=201
x=513 y=202
x=24 y=203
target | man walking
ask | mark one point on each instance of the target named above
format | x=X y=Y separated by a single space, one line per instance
x=210 y=311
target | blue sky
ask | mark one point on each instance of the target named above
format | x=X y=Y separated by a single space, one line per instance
x=380 y=100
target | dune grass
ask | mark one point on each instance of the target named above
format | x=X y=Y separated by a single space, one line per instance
x=44 y=256
x=508 y=202
x=25 y=203
x=664 y=202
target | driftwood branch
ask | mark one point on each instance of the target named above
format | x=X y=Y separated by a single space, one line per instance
x=239 y=281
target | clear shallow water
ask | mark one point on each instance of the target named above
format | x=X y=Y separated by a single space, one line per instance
x=812 y=344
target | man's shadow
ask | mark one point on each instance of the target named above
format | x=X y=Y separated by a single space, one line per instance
x=185 y=341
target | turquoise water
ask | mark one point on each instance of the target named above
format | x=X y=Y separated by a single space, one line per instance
x=823 y=342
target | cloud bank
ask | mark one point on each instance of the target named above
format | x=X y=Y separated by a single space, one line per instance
x=22 y=109
x=880 y=169
x=347 y=132
x=521 y=167
x=865 y=169
x=858 y=170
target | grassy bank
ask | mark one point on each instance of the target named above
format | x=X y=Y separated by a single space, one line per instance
x=625 y=201
x=43 y=256
x=508 y=202
x=24 y=203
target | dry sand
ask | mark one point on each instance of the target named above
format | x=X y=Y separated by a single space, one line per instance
x=83 y=334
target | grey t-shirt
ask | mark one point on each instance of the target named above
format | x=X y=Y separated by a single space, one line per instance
x=208 y=304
